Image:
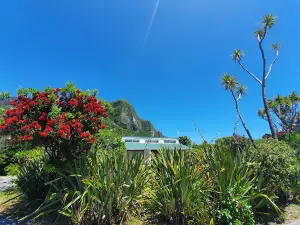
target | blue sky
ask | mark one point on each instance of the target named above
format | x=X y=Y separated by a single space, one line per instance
x=171 y=80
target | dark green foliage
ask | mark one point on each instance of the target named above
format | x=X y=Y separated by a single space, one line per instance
x=235 y=142
x=236 y=212
x=276 y=164
x=18 y=159
x=286 y=110
x=185 y=140
x=32 y=178
x=235 y=182
x=180 y=192
x=293 y=140
x=105 y=189
x=3 y=149
x=107 y=140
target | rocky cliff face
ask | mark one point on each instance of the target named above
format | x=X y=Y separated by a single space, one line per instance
x=124 y=115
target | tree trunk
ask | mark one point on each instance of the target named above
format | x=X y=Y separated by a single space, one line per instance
x=267 y=110
x=263 y=87
x=243 y=122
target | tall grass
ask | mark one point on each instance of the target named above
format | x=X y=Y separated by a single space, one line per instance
x=236 y=183
x=212 y=185
x=179 y=192
x=103 y=189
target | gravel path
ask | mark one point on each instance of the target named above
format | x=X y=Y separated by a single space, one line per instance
x=295 y=222
x=5 y=221
x=5 y=183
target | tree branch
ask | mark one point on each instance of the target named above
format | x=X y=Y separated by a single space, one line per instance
x=270 y=67
x=251 y=74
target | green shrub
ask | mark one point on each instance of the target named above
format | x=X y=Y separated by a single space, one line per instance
x=293 y=140
x=234 y=142
x=276 y=164
x=3 y=154
x=236 y=212
x=179 y=190
x=234 y=181
x=20 y=158
x=107 y=140
x=31 y=179
x=103 y=189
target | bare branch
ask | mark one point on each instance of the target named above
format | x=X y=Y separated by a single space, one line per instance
x=251 y=74
x=270 y=67
x=263 y=56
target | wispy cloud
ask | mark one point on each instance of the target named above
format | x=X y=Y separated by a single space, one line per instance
x=151 y=23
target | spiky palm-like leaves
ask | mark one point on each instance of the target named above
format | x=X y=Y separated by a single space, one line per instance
x=237 y=55
x=231 y=84
x=104 y=189
x=241 y=90
x=180 y=190
x=285 y=109
x=268 y=22
x=236 y=183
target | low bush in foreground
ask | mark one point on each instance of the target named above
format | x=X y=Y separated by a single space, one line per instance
x=105 y=188
x=276 y=165
x=180 y=192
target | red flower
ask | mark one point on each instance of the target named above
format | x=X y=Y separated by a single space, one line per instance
x=51 y=122
x=13 y=103
x=48 y=129
x=93 y=139
x=26 y=107
x=44 y=134
x=84 y=151
x=26 y=138
x=79 y=131
x=84 y=135
x=11 y=120
x=34 y=103
x=3 y=127
x=73 y=102
x=37 y=126
x=61 y=156
x=22 y=121
x=78 y=91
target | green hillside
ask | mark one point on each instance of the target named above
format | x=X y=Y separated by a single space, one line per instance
x=123 y=118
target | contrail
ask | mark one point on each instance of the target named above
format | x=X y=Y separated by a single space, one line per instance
x=151 y=22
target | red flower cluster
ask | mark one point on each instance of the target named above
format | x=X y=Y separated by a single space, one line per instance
x=75 y=123
x=64 y=131
x=73 y=102
x=11 y=120
x=25 y=138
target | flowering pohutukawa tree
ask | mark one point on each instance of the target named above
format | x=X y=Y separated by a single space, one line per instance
x=63 y=121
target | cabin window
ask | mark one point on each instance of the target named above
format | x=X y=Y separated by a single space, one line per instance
x=170 y=141
x=151 y=141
